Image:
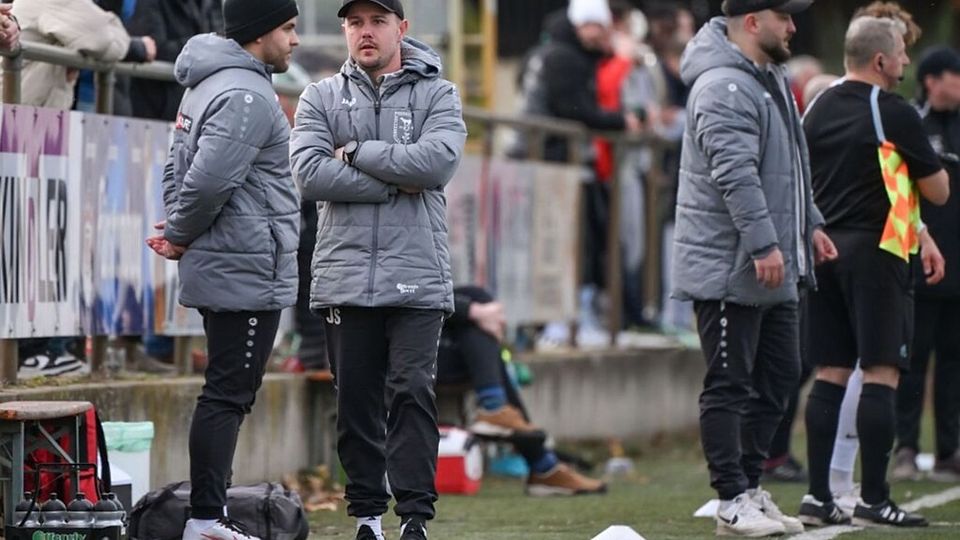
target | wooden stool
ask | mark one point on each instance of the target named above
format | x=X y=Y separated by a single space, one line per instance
x=26 y=426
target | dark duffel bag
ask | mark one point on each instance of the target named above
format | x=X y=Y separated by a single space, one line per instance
x=267 y=510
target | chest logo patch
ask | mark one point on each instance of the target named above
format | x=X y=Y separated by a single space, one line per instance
x=184 y=123
x=402 y=127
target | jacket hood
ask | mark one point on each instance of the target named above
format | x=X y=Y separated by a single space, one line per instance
x=206 y=54
x=417 y=58
x=710 y=49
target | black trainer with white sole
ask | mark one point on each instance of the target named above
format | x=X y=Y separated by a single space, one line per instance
x=816 y=513
x=413 y=528
x=886 y=513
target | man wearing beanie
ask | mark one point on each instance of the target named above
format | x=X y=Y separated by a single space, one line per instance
x=375 y=145
x=233 y=218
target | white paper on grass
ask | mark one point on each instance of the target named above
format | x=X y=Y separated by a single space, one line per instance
x=708 y=510
x=618 y=532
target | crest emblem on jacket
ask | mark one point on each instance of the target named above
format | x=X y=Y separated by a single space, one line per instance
x=402 y=127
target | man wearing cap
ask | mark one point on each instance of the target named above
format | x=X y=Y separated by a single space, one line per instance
x=937 y=308
x=375 y=145
x=867 y=148
x=233 y=217
x=747 y=238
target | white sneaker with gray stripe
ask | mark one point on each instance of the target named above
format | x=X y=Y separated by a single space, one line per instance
x=743 y=517
x=764 y=501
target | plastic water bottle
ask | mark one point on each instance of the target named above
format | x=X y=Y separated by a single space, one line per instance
x=23 y=509
x=80 y=512
x=54 y=512
x=120 y=517
x=103 y=512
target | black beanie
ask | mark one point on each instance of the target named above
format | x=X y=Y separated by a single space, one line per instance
x=246 y=20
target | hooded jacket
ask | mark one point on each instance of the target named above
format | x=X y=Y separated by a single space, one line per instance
x=744 y=178
x=377 y=246
x=227 y=187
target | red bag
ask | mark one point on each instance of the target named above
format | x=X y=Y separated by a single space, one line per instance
x=60 y=481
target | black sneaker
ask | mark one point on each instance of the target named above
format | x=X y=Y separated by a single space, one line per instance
x=413 y=528
x=784 y=469
x=886 y=513
x=821 y=514
x=365 y=533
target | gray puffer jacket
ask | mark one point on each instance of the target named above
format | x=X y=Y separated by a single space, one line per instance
x=744 y=179
x=377 y=246
x=227 y=187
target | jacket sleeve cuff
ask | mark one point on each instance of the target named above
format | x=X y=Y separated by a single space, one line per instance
x=760 y=239
x=137 y=52
x=763 y=252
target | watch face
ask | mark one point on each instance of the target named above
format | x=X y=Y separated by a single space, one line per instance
x=351 y=147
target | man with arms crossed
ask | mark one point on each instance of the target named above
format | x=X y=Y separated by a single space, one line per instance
x=375 y=145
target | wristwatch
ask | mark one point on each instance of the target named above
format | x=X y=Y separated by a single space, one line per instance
x=349 y=151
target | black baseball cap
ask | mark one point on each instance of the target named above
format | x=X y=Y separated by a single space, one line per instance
x=732 y=8
x=937 y=60
x=393 y=6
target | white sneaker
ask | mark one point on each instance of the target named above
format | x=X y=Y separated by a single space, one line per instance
x=742 y=517
x=221 y=529
x=764 y=500
x=847 y=500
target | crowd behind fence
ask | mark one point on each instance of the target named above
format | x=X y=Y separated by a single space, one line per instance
x=515 y=225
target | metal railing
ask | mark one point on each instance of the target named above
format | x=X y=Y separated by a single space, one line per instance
x=537 y=130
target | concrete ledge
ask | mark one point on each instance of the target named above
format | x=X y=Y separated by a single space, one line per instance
x=274 y=439
x=578 y=395
x=633 y=393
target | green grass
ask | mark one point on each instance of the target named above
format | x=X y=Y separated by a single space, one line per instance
x=658 y=502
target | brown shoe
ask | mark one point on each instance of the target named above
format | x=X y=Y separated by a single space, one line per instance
x=947 y=470
x=905 y=465
x=505 y=422
x=562 y=480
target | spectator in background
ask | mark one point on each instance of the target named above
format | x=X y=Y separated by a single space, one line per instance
x=78 y=25
x=937 y=307
x=671 y=28
x=892 y=10
x=9 y=28
x=171 y=24
x=470 y=350
x=142 y=49
x=800 y=69
x=559 y=80
x=625 y=83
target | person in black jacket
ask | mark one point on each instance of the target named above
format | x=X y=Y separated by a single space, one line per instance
x=171 y=24
x=470 y=351
x=559 y=77
x=937 y=308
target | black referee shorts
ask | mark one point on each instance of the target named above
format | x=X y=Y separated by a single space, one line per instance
x=862 y=308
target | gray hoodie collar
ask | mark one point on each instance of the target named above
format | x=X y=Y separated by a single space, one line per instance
x=710 y=49
x=417 y=60
x=206 y=54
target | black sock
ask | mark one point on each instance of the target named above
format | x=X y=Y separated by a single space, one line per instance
x=822 y=415
x=875 y=424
